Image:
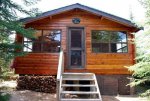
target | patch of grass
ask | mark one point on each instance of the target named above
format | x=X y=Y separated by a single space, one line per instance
x=4 y=96
x=8 y=75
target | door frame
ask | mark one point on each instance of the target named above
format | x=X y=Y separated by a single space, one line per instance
x=83 y=47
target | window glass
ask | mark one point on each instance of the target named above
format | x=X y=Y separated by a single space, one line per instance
x=100 y=36
x=76 y=58
x=51 y=40
x=44 y=41
x=51 y=35
x=109 y=41
x=38 y=34
x=118 y=37
x=28 y=44
x=37 y=42
x=76 y=36
x=104 y=47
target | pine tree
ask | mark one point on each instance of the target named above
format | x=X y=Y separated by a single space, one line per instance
x=10 y=24
x=141 y=70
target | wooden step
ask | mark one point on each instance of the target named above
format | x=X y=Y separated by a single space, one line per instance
x=78 y=79
x=77 y=85
x=80 y=99
x=94 y=93
x=78 y=74
x=79 y=92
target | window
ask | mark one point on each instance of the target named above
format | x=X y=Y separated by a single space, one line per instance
x=109 y=42
x=27 y=45
x=51 y=40
x=45 y=41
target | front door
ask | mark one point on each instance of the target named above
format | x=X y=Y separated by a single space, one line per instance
x=76 y=48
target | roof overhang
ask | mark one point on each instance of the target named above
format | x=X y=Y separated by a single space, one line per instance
x=85 y=8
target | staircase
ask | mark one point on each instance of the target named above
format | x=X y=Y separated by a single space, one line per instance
x=76 y=86
x=79 y=87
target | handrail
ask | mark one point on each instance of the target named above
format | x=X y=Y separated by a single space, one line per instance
x=59 y=73
x=60 y=65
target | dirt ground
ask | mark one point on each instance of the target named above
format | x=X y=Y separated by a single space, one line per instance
x=27 y=95
x=31 y=96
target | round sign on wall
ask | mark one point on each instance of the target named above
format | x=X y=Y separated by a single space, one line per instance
x=76 y=20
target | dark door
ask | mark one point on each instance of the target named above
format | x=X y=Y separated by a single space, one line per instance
x=76 y=48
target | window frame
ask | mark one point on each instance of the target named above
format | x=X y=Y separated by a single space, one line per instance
x=109 y=43
x=42 y=41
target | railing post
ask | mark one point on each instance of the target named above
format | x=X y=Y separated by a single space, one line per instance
x=57 y=90
x=59 y=73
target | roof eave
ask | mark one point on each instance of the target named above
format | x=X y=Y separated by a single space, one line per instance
x=82 y=7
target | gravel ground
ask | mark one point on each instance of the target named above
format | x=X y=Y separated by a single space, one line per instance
x=27 y=95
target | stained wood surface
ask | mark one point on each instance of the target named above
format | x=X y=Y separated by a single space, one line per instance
x=37 y=63
x=100 y=63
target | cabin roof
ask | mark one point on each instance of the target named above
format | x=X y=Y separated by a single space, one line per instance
x=82 y=7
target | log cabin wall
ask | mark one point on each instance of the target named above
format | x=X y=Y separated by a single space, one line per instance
x=99 y=63
x=37 y=63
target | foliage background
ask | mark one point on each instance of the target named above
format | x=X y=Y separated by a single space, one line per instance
x=9 y=25
x=141 y=70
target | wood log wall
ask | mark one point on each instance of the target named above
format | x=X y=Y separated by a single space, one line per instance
x=37 y=63
x=99 y=63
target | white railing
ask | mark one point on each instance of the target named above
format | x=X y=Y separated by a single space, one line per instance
x=59 y=73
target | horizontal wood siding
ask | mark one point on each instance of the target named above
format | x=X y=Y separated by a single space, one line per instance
x=37 y=63
x=100 y=63
x=108 y=63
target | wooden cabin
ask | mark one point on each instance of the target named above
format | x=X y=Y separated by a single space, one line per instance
x=92 y=41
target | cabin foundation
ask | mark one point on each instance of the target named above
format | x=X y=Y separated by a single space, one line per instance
x=114 y=84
